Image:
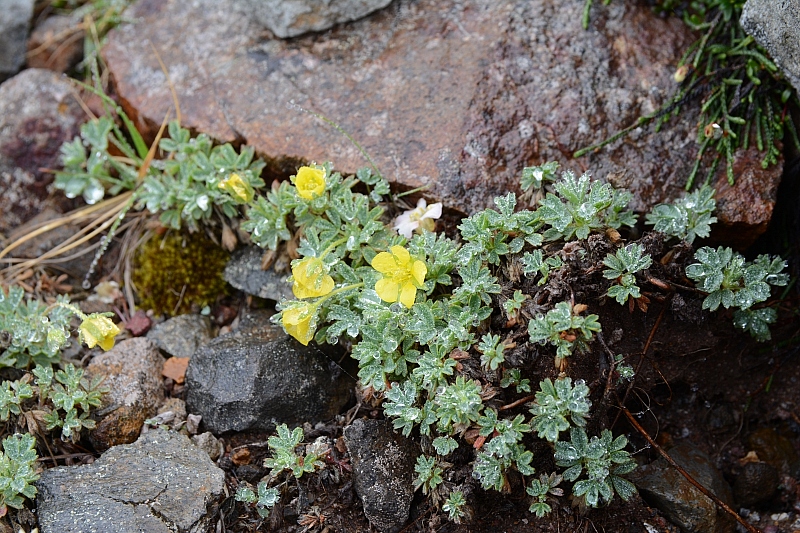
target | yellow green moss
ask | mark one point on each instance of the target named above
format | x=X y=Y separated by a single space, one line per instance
x=179 y=273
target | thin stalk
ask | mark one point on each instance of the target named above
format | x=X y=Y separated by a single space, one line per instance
x=749 y=527
x=341 y=130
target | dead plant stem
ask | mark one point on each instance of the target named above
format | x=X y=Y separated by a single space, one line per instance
x=722 y=505
x=644 y=353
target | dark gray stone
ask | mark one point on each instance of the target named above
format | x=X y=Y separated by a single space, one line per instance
x=456 y=96
x=663 y=487
x=257 y=379
x=182 y=335
x=775 y=25
x=15 y=22
x=243 y=272
x=290 y=18
x=255 y=319
x=132 y=372
x=160 y=483
x=383 y=472
x=757 y=483
x=39 y=111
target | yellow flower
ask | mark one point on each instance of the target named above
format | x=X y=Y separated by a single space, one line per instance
x=310 y=182
x=99 y=330
x=297 y=321
x=238 y=188
x=310 y=278
x=402 y=276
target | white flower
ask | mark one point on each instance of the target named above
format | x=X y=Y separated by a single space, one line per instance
x=421 y=217
x=106 y=292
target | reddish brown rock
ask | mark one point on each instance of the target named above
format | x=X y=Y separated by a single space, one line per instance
x=459 y=96
x=132 y=372
x=38 y=112
x=745 y=208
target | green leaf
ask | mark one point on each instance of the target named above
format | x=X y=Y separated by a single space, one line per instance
x=454 y=506
x=489 y=471
x=555 y=403
x=445 y=445
x=688 y=218
x=401 y=404
x=429 y=476
x=96 y=132
x=535 y=177
x=17 y=473
x=756 y=322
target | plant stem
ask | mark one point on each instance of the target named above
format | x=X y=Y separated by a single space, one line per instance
x=749 y=527
x=337 y=291
x=69 y=307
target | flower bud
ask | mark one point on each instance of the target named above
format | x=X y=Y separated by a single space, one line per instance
x=99 y=330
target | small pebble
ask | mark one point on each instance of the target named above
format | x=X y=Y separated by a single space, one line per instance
x=193 y=423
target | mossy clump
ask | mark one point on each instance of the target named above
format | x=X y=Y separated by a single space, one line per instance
x=179 y=273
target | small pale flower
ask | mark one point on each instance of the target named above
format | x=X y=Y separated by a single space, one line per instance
x=106 y=292
x=238 y=188
x=420 y=218
x=311 y=279
x=713 y=130
x=681 y=73
x=310 y=182
x=402 y=276
x=297 y=321
x=98 y=330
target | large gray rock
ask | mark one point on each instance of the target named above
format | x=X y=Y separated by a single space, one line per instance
x=244 y=272
x=663 y=487
x=15 y=22
x=454 y=95
x=38 y=112
x=290 y=18
x=383 y=472
x=161 y=483
x=182 y=335
x=775 y=25
x=257 y=379
x=132 y=372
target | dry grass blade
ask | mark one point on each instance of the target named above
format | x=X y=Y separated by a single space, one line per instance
x=76 y=240
x=112 y=205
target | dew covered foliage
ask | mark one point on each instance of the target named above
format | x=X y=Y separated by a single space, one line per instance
x=479 y=343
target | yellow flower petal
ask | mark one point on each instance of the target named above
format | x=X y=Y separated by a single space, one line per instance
x=98 y=330
x=387 y=289
x=402 y=275
x=311 y=291
x=384 y=263
x=301 y=292
x=310 y=182
x=297 y=323
x=310 y=278
x=408 y=294
x=401 y=254
x=418 y=271
x=237 y=187
x=107 y=343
